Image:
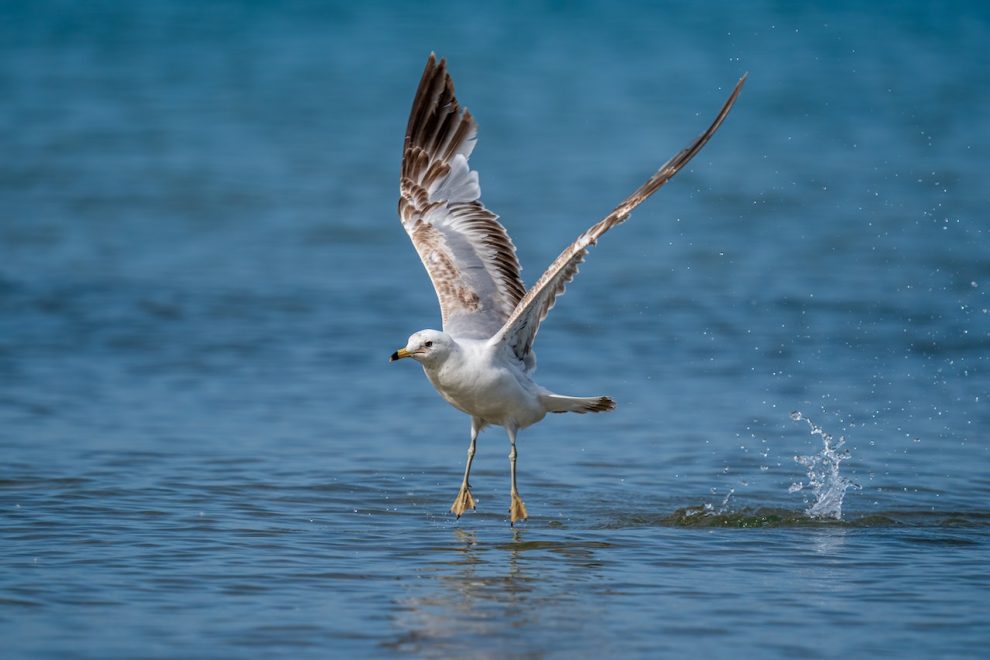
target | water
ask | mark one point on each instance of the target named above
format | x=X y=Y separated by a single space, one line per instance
x=205 y=452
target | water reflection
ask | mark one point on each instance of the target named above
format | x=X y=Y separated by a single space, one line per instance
x=496 y=591
x=829 y=541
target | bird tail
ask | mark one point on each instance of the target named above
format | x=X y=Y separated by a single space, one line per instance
x=557 y=403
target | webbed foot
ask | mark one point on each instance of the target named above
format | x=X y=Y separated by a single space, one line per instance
x=517 y=510
x=463 y=501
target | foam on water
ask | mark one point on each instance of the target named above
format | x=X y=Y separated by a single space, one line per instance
x=824 y=480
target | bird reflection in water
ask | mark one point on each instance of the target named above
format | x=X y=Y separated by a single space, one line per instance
x=497 y=592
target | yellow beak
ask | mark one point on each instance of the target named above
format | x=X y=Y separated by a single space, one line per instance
x=399 y=354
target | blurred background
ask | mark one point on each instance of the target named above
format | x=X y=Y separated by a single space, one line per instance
x=198 y=241
x=202 y=273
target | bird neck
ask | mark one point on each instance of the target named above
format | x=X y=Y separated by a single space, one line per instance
x=451 y=359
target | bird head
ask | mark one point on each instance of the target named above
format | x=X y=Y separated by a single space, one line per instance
x=426 y=347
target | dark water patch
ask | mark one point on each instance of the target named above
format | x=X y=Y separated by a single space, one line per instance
x=946 y=541
x=43 y=483
x=555 y=546
x=18 y=602
x=702 y=516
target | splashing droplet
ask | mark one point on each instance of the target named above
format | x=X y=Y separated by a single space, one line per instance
x=828 y=486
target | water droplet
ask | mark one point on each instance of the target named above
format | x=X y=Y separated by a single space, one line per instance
x=824 y=479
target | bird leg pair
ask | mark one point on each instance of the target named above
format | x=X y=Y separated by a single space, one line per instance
x=464 y=499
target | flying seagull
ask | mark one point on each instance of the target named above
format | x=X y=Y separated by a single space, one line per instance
x=482 y=362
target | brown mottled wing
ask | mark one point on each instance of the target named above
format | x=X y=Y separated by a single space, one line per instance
x=467 y=253
x=519 y=331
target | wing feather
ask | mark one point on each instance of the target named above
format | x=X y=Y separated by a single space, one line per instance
x=519 y=331
x=466 y=251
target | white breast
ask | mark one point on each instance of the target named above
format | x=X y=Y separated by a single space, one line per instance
x=499 y=394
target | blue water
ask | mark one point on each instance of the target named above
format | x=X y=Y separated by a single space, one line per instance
x=203 y=449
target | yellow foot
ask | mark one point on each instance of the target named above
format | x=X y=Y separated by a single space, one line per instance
x=463 y=501
x=517 y=511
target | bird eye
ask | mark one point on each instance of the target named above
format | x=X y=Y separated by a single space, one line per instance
x=428 y=344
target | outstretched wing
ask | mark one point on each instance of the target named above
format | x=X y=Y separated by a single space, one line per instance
x=519 y=331
x=467 y=253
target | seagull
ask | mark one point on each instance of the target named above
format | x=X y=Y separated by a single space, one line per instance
x=482 y=362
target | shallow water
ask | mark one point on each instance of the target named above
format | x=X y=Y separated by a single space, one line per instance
x=205 y=452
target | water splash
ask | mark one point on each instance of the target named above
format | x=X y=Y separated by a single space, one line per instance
x=824 y=479
x=710 y=510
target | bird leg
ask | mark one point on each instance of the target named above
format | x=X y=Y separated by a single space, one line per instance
x=517 y=510
x=464 y=500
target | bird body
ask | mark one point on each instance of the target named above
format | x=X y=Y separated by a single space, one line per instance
x=472 y=376
x=474 y=381
x=482 y=361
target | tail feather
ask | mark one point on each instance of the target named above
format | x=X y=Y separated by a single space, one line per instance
x=557 y=403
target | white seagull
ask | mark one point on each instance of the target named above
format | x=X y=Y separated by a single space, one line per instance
x=482 y=362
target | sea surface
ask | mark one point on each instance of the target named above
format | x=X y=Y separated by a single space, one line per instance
x=205 y=453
